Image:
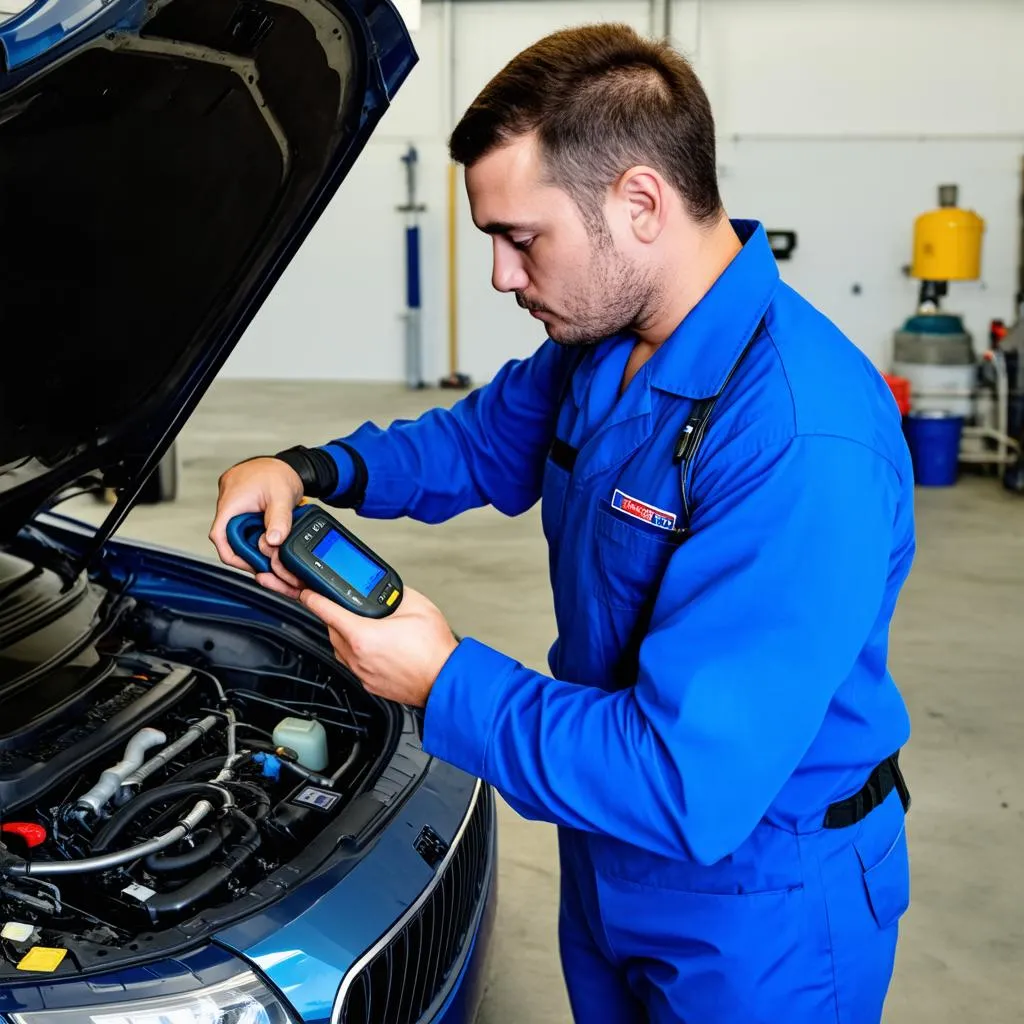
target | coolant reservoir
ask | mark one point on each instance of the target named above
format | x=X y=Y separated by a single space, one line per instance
x=307 y=738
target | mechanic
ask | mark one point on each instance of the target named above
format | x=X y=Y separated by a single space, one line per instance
x=728 y=502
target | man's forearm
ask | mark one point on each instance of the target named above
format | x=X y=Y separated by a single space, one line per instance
x=337 y=476
x=488 y=449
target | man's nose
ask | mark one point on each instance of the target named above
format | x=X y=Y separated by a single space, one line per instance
x=508 y=274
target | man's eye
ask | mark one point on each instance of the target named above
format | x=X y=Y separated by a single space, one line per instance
x=522 y=244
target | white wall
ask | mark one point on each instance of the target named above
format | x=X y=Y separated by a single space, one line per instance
x=836 y=118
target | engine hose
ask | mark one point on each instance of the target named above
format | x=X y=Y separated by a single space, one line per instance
x=167 y=863
x=207 y=764
x=104 y=861
x=191 y=892
x=113 y=778
x=127 y=814
x=193 y=734
x=261 y=797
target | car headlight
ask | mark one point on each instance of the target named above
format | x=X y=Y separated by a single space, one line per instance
x=243 y=999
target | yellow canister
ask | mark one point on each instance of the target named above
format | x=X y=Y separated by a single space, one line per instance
x=947 y=245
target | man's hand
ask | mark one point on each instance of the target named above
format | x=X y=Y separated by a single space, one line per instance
x=398 y=657
x=264 y=485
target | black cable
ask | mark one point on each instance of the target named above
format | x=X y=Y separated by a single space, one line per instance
x=255 y=728
x=262 y=798
x=239 y=725
x=251 y=695
x=127 y=814
x=315 y=683
x=343 y=703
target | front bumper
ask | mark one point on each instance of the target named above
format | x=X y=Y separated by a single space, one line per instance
x=393 y=929
x=431 y=964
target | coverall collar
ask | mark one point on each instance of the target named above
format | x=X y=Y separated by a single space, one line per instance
x=695 y=360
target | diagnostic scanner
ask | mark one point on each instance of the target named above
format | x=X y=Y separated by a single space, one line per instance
x=324 y=556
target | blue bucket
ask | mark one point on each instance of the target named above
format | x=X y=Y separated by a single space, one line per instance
x=934 y=441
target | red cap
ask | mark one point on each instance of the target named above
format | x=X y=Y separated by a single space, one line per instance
x=34 y=835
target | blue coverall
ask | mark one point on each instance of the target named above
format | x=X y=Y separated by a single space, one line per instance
x=717 y=682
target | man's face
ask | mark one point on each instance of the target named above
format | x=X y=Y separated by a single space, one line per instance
x=577 y=281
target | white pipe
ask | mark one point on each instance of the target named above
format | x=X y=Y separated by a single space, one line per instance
x=113 y=778
x=193 y=733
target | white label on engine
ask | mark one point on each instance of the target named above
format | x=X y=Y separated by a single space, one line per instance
x=139 y=892
x=318 y=798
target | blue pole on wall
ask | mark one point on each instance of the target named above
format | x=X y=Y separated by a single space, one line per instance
x=413 y=324
x=412 y=266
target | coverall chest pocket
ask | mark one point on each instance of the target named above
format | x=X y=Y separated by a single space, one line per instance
x=552 y=505
x=632 y=556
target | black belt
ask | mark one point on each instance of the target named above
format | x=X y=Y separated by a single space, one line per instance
x=881 y=782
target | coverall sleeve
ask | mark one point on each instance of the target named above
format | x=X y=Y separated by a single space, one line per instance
x=759 y=618
x=488 y=449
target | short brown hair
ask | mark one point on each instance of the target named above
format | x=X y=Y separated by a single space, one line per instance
x=601 y=99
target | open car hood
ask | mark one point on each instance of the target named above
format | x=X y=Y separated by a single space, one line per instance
x=160 y=163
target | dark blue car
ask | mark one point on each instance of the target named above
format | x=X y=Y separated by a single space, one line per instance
x=203 y=817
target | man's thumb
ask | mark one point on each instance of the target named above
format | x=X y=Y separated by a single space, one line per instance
x=328 y=611
x=278 y=520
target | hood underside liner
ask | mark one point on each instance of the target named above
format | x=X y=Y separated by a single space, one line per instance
x=173 y=164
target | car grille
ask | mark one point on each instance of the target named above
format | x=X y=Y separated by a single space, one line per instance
x=401 y=981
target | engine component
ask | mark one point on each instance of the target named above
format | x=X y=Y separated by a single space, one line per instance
x=124 y=817
x=143 y=792
x=307 y=737
x=113 y=860
x=191 y=892
x=113 y=778
x=45 y=899
x=272 y=764
x=192 y=734
x=30 y=833
x=18 y=931
x=97 y=708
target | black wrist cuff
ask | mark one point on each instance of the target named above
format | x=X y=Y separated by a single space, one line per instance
x=316 y=469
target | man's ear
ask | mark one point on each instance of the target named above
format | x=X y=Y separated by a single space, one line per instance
x=645 y=194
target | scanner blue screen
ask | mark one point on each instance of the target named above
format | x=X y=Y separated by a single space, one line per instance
x=360 y=572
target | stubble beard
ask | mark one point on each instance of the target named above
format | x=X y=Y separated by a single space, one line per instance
x=616 y=297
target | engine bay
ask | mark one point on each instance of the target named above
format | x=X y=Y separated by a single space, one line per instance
x=159 y=765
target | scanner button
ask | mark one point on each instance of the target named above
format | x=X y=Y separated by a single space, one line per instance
x=319 y=565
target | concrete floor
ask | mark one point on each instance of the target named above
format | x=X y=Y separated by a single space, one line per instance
x=957 y=651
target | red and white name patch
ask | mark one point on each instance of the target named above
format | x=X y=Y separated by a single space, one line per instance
x=641 y=510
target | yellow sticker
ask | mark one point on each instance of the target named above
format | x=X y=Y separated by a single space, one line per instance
x=393 y=598
x=42 y=958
